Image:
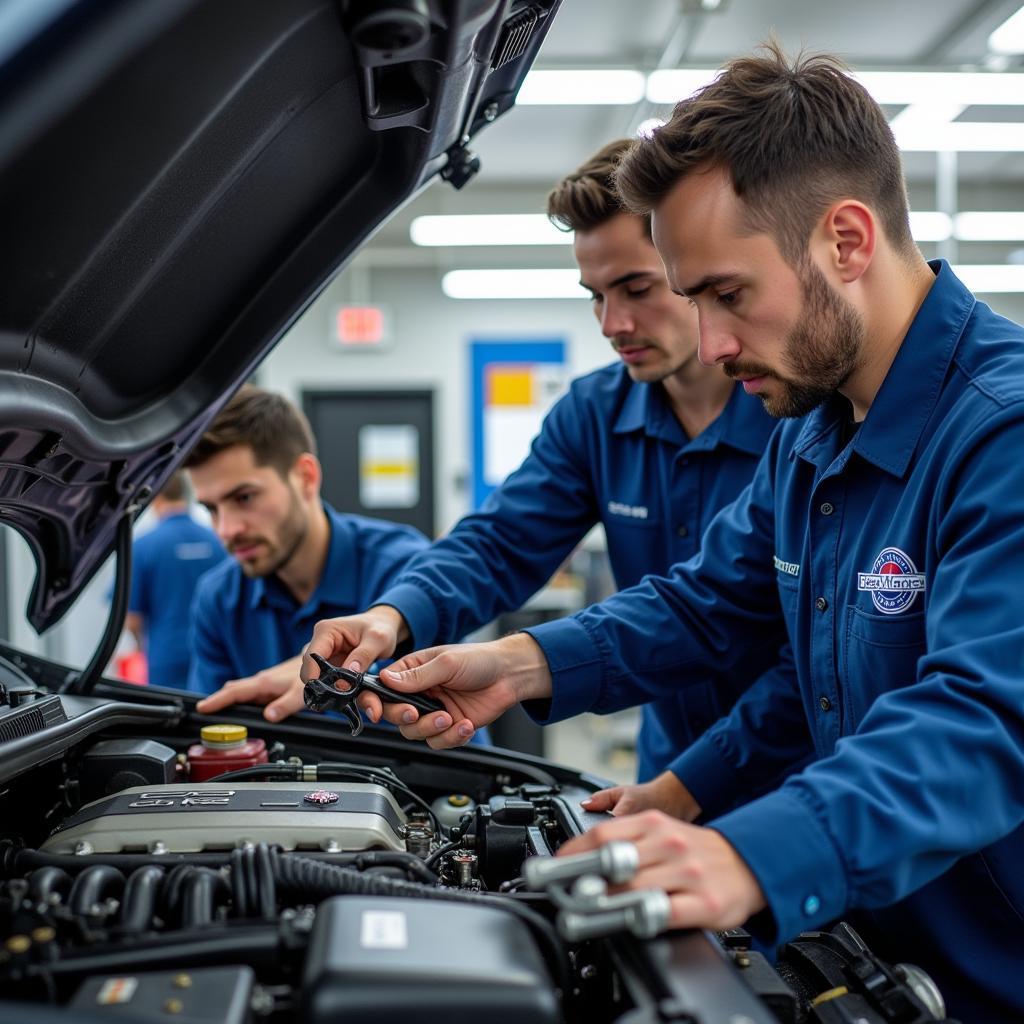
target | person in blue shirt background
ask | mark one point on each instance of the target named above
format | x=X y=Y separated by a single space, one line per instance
x=884 y=530
x=651 y=447
x=295 y=559
x=166 y=565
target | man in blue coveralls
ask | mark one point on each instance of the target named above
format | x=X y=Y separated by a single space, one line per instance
x=167 y=563
x=651 y=446
x=884 y=530
x=295 y=559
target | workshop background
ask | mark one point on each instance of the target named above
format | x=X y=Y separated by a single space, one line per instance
x=428 y=363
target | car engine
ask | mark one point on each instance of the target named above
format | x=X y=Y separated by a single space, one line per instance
x=143 y=879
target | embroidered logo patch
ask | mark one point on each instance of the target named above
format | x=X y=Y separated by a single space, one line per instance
x=620 y=508
x=893 y=582
x=789 y=568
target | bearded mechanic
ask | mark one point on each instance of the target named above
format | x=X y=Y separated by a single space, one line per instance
x=883 y=531
x=651 y=447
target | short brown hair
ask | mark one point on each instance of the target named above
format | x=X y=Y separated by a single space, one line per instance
x=176 y=487
x=793 y=136
x=587 y=198
x=269 y=424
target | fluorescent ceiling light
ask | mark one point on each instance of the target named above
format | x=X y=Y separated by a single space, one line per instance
x=645 y=129
x=590 y=88
x=487 y=229
x=896 y=88
x=930 y=225
x=991 y=277
x=998 y=226
x=962 y=137
x=535 y=229
x=670 y=85
x=1009 y=37
x=564 y=284
x=513 y=284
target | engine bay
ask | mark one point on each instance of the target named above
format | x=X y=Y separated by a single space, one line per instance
x=293 y=873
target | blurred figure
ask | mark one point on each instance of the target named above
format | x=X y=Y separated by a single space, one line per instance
x=166 y=565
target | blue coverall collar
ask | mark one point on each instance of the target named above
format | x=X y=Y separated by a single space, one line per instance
x=901 y=409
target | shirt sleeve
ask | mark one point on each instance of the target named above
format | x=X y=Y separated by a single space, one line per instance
x=707 y=613
x=494 y=559
x=898 y=802
x=763 y=739
x=210 y=664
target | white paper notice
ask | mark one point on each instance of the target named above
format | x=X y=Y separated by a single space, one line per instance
x=389 y=469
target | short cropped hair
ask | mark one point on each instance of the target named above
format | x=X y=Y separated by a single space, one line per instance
x=176 y=487
x=587 y=198
x=794 y=137
x=269 y=424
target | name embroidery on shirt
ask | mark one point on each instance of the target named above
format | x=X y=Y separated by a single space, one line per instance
x=893 y=582
x=618 y=508
x=789 y=568
x=188 y=552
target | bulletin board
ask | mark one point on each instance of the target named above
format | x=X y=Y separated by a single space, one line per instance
x=512 y=386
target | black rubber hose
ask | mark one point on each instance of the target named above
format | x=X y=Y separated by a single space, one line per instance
x=266 y=887
x=86 y=679
x=239 y=885
x=14 y=863
x=200 y=894
x=139 y=901
x=259 y=947
x=45 y=882
x=93 y=886
x=172 y=893
x=315 y=882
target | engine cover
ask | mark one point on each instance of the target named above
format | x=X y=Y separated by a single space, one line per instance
x=347 y=816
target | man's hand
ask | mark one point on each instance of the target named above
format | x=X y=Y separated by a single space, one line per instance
x=665 y=793
x=708 y=883
x=475 y=682
x=279 y=687
x=355 y=641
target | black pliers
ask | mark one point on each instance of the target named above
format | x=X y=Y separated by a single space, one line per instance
x=321 y=694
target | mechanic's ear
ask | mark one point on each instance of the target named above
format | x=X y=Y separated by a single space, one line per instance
x=307 y=475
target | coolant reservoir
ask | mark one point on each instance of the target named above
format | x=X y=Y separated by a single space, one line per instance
x=223 y=748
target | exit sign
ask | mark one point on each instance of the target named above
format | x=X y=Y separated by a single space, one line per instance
x=359 y=327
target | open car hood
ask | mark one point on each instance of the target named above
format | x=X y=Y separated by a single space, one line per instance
x=178 y=181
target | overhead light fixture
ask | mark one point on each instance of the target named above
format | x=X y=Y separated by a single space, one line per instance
x=930 y=225
x=984 y=226
x=986 y=278
x=508 y=229
x=989 y=278
x=962 y=137
x=487 y=229
x=894 y=88
x=611 y=87
x=645 y=129
x=513 y=284
x=1009 y=37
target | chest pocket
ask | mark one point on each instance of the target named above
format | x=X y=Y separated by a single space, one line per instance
x=880 y=654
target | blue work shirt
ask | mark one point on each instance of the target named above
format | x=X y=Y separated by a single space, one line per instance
x=242 y=625
x=610 y=451
x=166 y=565
x=894 y=560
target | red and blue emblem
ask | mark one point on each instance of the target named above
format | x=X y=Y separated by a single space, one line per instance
x=893 y=582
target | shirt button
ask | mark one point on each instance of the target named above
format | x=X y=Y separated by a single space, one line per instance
x=825 y=704
x=827 y=508
x=821 y=604
x=811 y=905
x=683 y=531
